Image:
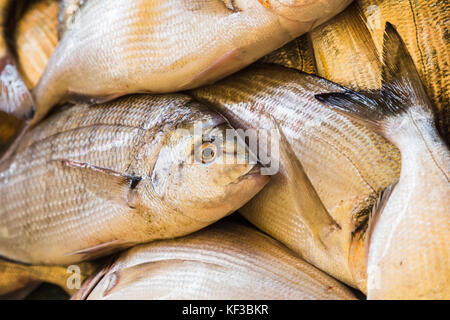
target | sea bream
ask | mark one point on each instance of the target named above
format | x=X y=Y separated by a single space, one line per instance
x=229 y=260
x=408 y=246
x=111 y=48
x=345 y=163
x=93 y=179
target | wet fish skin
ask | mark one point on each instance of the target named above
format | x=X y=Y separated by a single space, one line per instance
x=345 y=52
x=15 y=276
x=408 y=235
x=228 y=260
x=93 y=179
x=141 y=54
x=35 y=39
x=423 y=26
x=297 y=54
x=337 y=154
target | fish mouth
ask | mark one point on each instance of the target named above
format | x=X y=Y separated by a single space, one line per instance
x=253 y=173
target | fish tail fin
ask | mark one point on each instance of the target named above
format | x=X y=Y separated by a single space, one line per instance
x=402 y=92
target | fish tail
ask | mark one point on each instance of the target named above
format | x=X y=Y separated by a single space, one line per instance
x=402 y=98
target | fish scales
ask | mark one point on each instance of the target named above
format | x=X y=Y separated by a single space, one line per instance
x=35 y=38
x=423 y=26
x=408 y=239
x=337 y=154
x=228 y=255
x=46 y=206
x=345 y=52
x=311 y=129
x=163 y=45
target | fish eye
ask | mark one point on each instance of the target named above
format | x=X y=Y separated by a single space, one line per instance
x=208 y=152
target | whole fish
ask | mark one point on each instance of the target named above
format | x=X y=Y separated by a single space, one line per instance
x=35 y=39
x=226 y=261
x=423 y=25
x=15 y=276
x=409 y=230
x=345 y=52
x=347 y=164
x=113 y=48
x=93 y=179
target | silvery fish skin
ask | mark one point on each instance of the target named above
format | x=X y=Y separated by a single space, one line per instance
x=409 y=229
x=166 y=45
x=35 y=39
x=347 y=164
x=226 y=261
x=93 y=179
x=423 y=25
x=14 y=95
x=15 y=276
x=345 y=52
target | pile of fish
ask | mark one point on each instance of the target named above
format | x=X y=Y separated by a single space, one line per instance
x=108 y=191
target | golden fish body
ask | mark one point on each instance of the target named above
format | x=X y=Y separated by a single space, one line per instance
x=113 y=48
x=226 y=261
x=347 y=164
x=423 y=26
x=15 y=276
x=297 y=54
x=92 y=179
x=345 y=52
x=35 y=39
x=409 y=229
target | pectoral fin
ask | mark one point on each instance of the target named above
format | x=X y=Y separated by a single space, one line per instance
x=307 y=202
x=102 y=249
x=105 y=183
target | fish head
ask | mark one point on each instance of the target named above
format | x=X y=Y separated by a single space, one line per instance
x=204 y=169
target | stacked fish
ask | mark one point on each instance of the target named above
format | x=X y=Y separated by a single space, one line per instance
x=106 y=184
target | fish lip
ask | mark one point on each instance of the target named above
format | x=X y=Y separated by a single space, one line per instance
x=214 y=122
x=254 y=172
